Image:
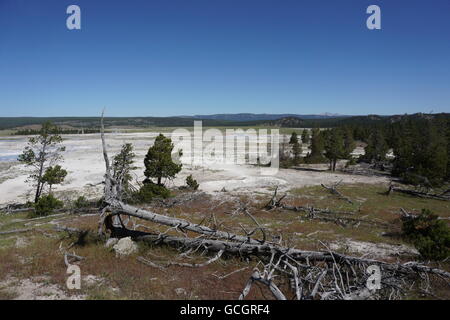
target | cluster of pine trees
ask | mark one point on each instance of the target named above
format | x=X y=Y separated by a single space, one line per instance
x=55 y=130
x=420 y=148
x=326 y=146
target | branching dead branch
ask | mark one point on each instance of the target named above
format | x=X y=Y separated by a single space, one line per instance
x=333 y=189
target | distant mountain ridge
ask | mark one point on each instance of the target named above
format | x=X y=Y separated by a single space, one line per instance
x=264 y=116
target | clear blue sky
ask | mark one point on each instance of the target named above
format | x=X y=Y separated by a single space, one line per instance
x=173 y=57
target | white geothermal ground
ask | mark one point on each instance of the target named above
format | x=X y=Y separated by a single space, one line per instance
x=84 y=162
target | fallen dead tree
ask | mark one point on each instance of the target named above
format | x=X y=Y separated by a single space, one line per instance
x=16 y=231
x=300 y=268
x=444 y=196
x=343 y=218
x=333 y=189
x=15 y=208
x=267 y=250
x=190 y=265
x=304 y=274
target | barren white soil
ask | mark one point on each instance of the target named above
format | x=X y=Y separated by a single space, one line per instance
x=83 y=160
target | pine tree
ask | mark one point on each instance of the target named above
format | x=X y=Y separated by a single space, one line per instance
x=42 y=152
x=123 y=165
x=376 y=148
x=317 y=147
x=305 y=136
x=297 y=152
x=431 y=150
x=54 y=175
x=158 y=161
x=296 y=147
x=349 y=143
x=294 y=138
x=334 y=147
x=421 y=156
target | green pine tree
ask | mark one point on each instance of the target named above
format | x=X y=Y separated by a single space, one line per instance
x=305 y=136
x=41 y=152
x=158 y=161
x=123 y=165
x=317 y=147
x=294 y=138
x=334 y=147
x=54 y=175
x=376 y=148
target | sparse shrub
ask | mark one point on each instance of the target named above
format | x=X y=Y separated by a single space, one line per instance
x=54 y=175
x=81 y=202
x=192 y=183
x=150 y=191
x=46 y=204
x=429 y=235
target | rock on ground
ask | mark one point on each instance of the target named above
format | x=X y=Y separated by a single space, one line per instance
x=125 y=247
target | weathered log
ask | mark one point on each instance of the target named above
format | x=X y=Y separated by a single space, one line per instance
x=181 y=264
x=125 y=209
x=267 y=250
x=329 y=215
x=256 y=277
x=420 y=194
x=315 y=210
x=333 y=189
x=16 y=231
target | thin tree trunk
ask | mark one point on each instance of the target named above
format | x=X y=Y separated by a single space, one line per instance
x=41 y=171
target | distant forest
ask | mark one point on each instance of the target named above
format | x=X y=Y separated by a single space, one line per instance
x=28 y=132
x=286 y=122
